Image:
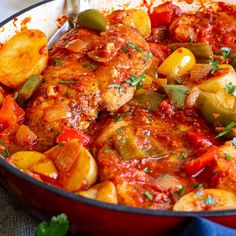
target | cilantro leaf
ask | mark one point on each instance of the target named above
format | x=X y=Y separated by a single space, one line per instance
x=132 y=45
x=58 y=226
x=225 y=52
x=135 y=81
x=215 y=66
x=4 y=151
x=148 y=195
x=226 y=130
x=231 y=89
x=209 y=201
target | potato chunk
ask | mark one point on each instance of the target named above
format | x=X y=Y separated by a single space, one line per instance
x=23 y=55
x=83 y=173
x=26 y=159
x=207 y=199
x=104 y=191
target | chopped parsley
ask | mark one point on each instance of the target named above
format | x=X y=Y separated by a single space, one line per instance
x=58 y=226
x=118 y=118
x=148 y=195
x=148 y=56
x=106 y=150
x=91 y=65
x=199 y=194
x=231 y=89
x=181 y=191
x=147 y=132
x=225 y=52
x=198 y=186
x=150 y=118
x=209 y=201
x=68 y=82
x=147 y=170
x=120 y=130
x=226 y=130
x=125 y=49
x=135 y=47
x=4 y=151
x=215 y=65
x=234 y=141
x=118 y=86
x=182 y=155
x=227 y=157
x=58 y=62
x=135 y=81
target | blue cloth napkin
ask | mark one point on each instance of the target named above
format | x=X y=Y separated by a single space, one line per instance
x=203 y=227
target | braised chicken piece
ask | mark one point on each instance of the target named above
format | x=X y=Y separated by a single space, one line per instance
x=87 y=73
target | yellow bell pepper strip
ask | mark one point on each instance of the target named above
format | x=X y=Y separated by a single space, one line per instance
x=177 y=64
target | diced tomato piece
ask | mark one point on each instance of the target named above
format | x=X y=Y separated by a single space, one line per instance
x=68 y=134
x=197 y=139
x=194 y=166
x=10 y=113
x=163 y=14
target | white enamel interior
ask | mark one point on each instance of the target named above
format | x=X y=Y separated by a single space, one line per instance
x=44 y=17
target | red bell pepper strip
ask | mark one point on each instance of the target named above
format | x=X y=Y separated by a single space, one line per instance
x=197 y=139
x=194 y=166
x=163 y=14
x=10 y=113
x=68 y=134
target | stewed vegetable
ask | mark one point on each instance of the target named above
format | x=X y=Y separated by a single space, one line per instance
x=135 y=108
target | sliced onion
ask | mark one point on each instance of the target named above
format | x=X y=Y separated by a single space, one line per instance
x=57 y=112
x=200 y=71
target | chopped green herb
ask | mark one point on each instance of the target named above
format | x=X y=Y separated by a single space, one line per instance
x=215 y=66
x=198 y=186
x=61 y=144
x=181 y=191
x=125 y=49
x=231 y=89
x=85 y=65
x=198 y=193
x=226 y=130
x=148 y=56
x=209 y=201
x=148 y=195
x=118 y=86
x=97 y=57
x=135 y=81
x=190 y=39
x=227 y=157
x=106 y=150
x=182 y=155
x=91 y=65
x=150 y=118
x=68 y=82
x=234 y=141
x=147 y=132
x=147 y=170
x=16 y=95
x=135 y=47
x=58 y=62
x=4 y=152
x=118 y=118
x=58 y=226
x=225 y=52
x=120 y=130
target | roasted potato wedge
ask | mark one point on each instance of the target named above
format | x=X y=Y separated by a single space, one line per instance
x=23 y=55
x=83 y=173
x=105 y=192
x=26 y=159
x=46 y=168
x=207 y=199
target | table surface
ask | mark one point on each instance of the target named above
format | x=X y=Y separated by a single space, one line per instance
x=14 y=221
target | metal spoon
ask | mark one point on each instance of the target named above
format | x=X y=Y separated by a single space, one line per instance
x=74 y=7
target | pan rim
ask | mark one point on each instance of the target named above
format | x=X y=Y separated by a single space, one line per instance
x=71 y=196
